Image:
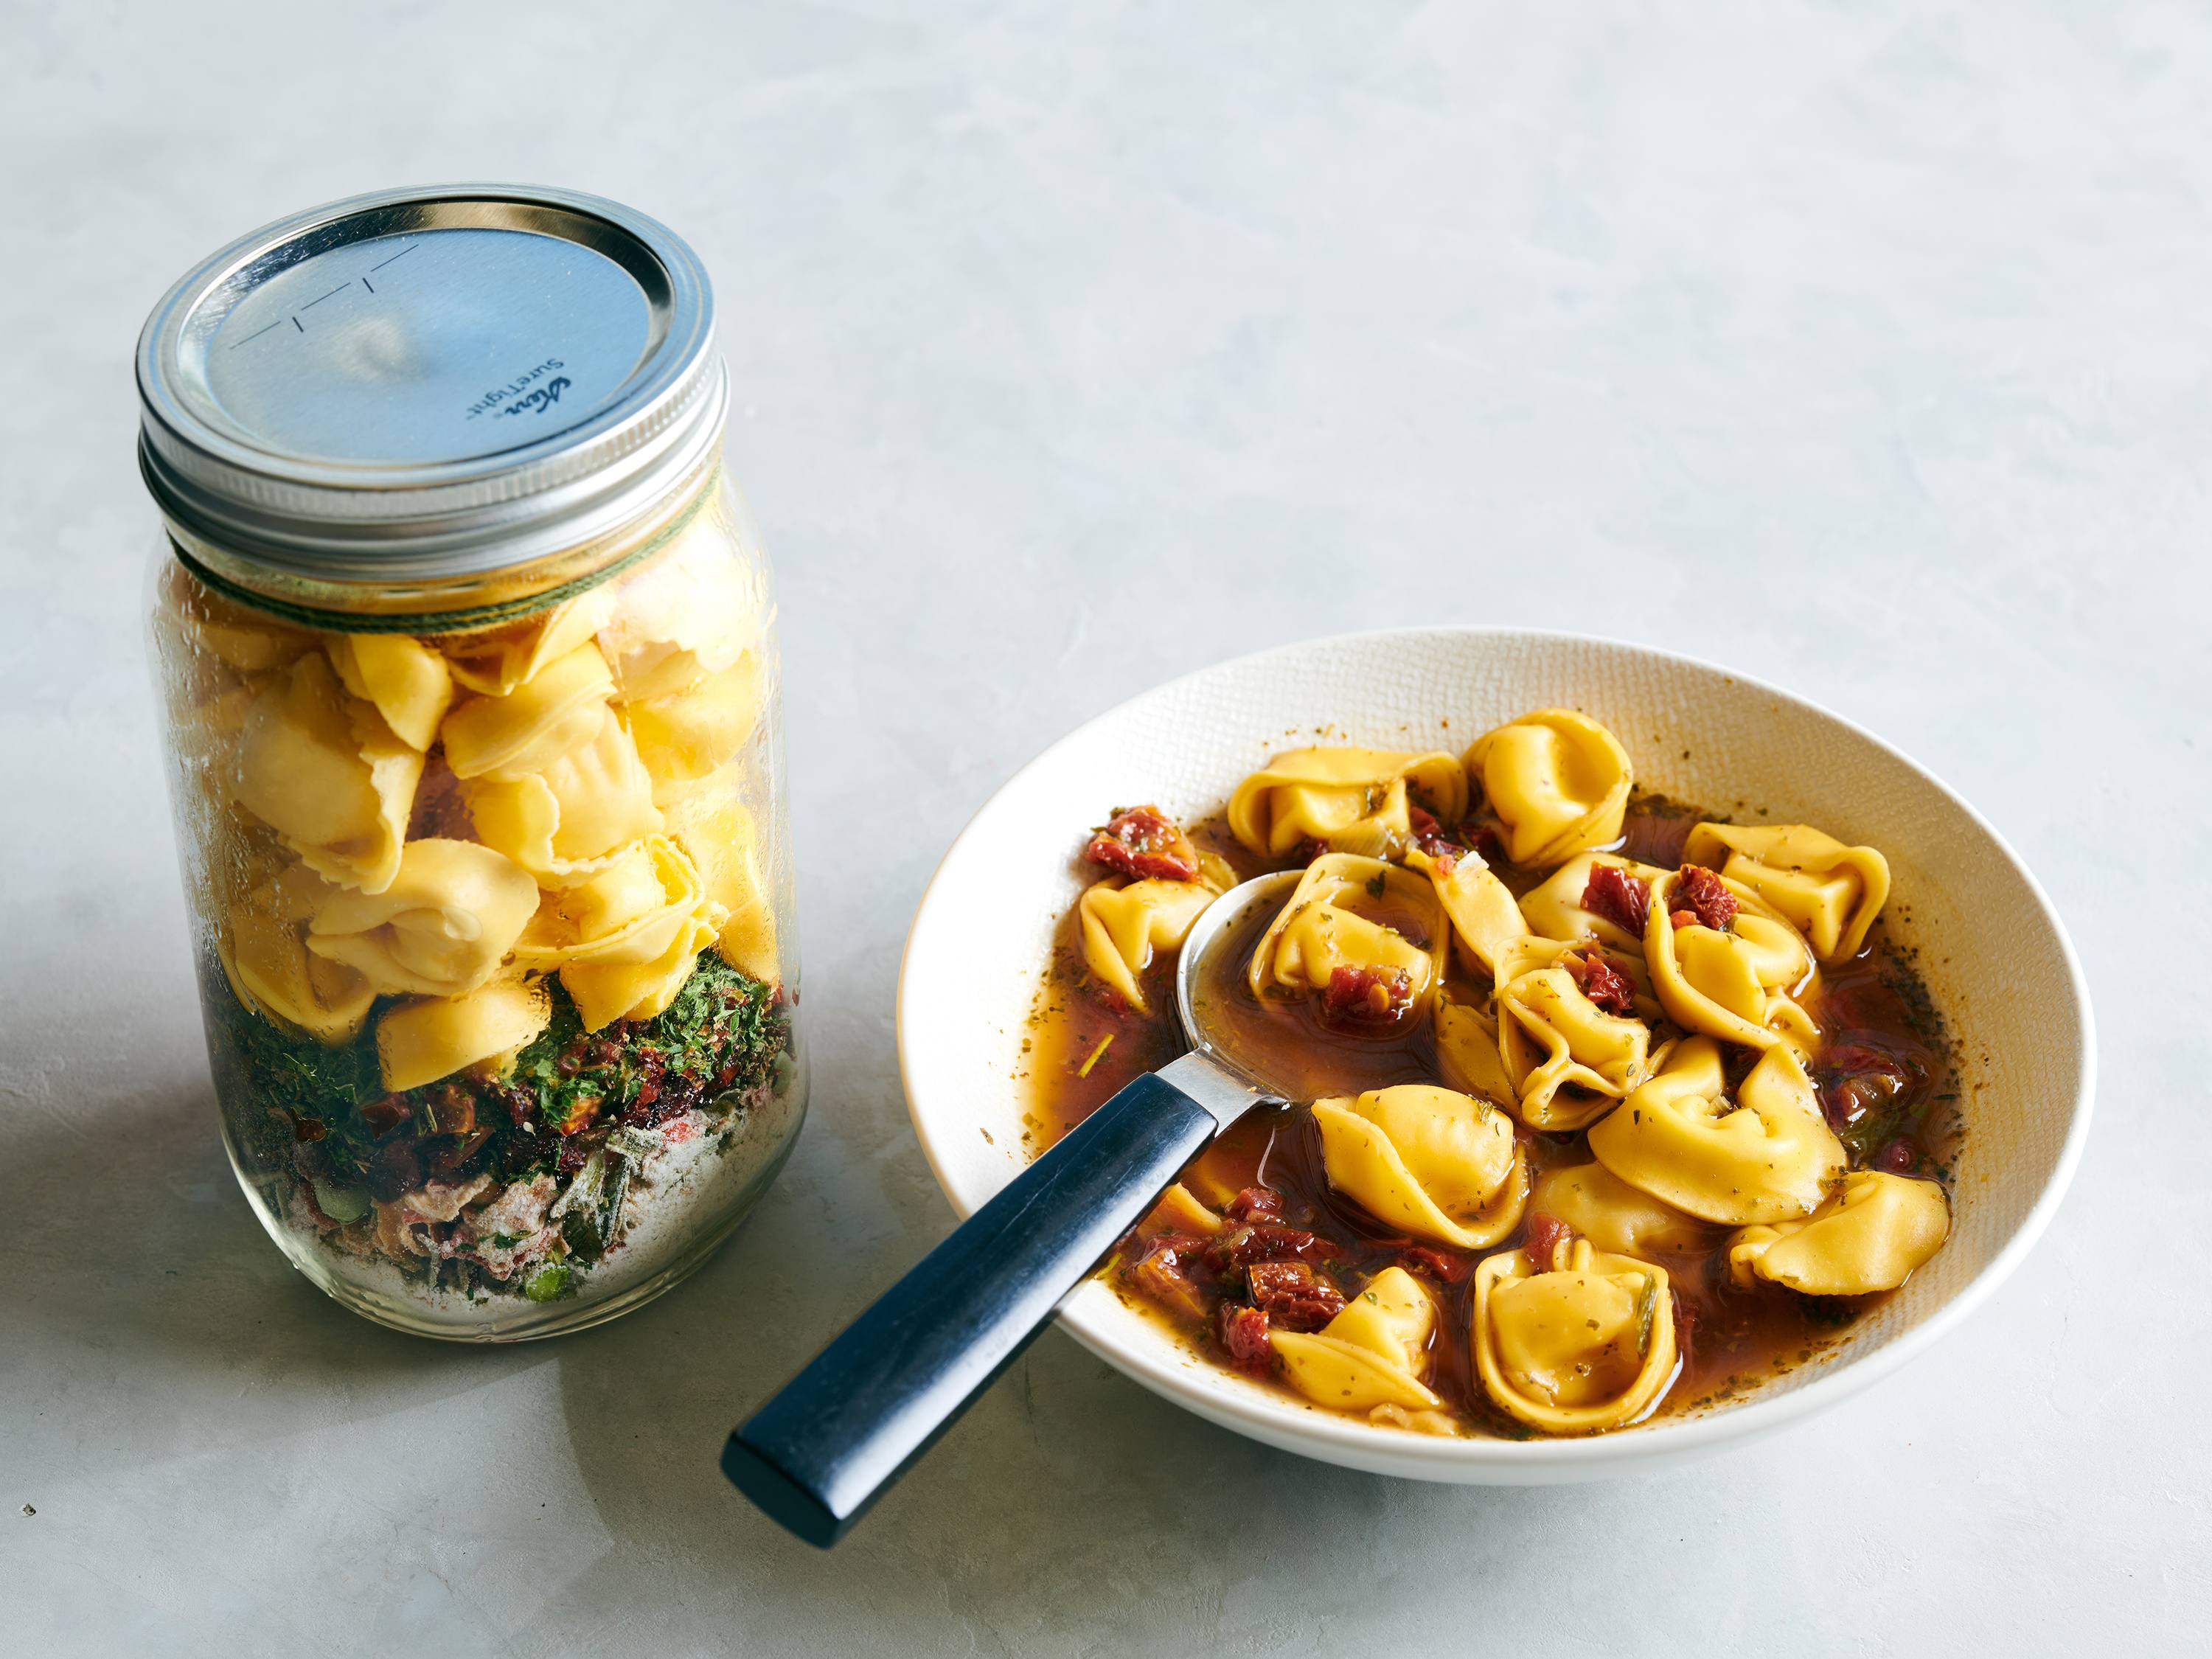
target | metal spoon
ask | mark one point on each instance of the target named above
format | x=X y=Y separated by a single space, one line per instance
x=836 y=1435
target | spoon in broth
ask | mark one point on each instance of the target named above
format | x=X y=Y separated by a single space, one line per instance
x=837 y=1436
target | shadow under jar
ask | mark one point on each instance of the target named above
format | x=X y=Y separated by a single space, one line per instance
x=468 y=660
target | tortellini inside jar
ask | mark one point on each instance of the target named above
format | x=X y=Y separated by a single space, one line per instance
x=441 y=847
x=1430 y=1162
x=566 y=820
x=1578 y=1344
x=1831 y=893
x=1871 y=1236
x=1348 y=800
x=686 y=735
x=442 y=929
x=1366 y=937
x=496 y=660
x=713 y=825
x=1373 y=1354
x=1767 y=1155
x=528 y=727
x=261 y=940
x=433 y=1037
x=625 y=939
x=217 y=629
x=321 y=768
x=1730 y=968
x=408 y=682
x=689 y=617
x=1558 y=780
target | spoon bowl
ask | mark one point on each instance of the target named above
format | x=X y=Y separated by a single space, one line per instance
x=1215 y=922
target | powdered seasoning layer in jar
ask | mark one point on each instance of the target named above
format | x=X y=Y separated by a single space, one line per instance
x=467 y=654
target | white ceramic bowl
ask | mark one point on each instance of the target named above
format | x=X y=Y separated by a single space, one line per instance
x=1996 y=958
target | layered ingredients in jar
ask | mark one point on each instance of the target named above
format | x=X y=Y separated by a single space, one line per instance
x=491 y=955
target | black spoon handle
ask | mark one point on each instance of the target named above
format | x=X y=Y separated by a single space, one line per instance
x=848 y=1426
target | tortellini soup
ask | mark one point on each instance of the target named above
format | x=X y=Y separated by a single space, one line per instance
x=1604 y=1105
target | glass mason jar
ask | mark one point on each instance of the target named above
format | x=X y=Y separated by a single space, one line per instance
x=472 y=700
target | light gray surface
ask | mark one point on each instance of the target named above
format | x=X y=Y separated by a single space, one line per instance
x=1865 y=352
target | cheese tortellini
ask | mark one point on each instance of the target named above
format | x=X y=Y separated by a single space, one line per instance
x=1743 y=985
x=1321 y=930
x=526 y=729
x=1768 y=1156
x=1371 y=1355
x=1486 y=923
x=498 y=660
x=624 y=940
x=1467 y=1056
x=1122 y=926
x=222 y=630
x=262 y=943
x=1560 y=1069
x=692 y=615
x=408 y=682
x=1557 y=779
x=442 y=929
x=564 y=821
x=1614 y=1216
x=1831 y=893
x=683 y=735
x=1349 y=800
x=1432 y=1161
x=324 y=770
x=420 y=1041
x=1568 y=1059
x=723 y=839
x=1578 y=1344
x=1871 y=1236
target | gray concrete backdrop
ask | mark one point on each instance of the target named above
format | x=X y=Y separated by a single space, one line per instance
x=1863 y=347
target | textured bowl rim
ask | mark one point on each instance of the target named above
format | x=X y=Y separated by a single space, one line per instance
x=1356 y=1444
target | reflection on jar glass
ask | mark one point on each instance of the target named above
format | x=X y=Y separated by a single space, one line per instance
x=478 y=791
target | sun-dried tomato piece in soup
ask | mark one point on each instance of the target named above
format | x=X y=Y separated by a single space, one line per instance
x=1243 y=1334
x=1375 y=996
x=1292 y=1295
x=1602 y=982
x=1256 y=1203
x=1145 y=843
x=1853 y=1078
x=1163 y=1273
x=1612 y=894
x=1546 y=1233
x=1705 y=896
x=1266 y=1242
x=1438 y=1265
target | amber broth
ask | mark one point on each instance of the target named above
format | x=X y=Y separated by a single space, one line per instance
x=1081 y=1049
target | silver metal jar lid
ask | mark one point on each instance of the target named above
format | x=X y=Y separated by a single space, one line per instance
x=431 y=382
